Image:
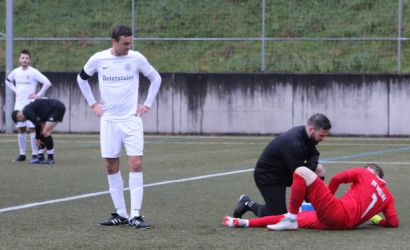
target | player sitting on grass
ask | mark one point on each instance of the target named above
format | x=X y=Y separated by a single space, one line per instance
x=367 y=196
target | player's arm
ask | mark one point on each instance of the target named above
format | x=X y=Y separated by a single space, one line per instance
x=313 y=164
x=82 y=80
x=46 y=84
x=346 y=176
x=10 y=84
x=314 y=159
x=391 y=219
x=89 y=69
x=30 y=115
x=155 y=80
x=148 y=71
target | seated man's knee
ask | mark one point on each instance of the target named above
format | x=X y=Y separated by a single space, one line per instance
x=307 y=174
x=302 y=170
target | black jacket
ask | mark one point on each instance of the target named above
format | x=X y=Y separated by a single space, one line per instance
x=38 y=112
x=284 y=154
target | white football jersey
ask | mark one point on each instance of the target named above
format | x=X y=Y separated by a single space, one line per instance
x=118 y=79
x=25 y=84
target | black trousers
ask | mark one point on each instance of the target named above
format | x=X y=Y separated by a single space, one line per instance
x=274 y=195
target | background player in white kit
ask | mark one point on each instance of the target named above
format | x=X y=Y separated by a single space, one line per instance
x=23 y=82
x=118 y=71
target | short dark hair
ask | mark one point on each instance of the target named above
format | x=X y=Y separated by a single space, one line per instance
x=14 y=115
x=319 y=121
x=376 y=168
x=119 y=31
x=26 y=52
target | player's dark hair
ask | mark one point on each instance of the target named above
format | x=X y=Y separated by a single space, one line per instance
x=319 y=121
x=119 y=31
x=26 y=52
x=376 y=168
x=14 y=115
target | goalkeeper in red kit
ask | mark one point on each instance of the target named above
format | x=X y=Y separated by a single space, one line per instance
x=367 y=196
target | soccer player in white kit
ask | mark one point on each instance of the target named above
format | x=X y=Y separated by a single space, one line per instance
x=23 y=82
x=118 y=71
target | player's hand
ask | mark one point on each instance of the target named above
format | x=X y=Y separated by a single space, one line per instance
x=376 y=219
x=141 y=109
x=33 y=96
x=97 y=108
x=39 y=143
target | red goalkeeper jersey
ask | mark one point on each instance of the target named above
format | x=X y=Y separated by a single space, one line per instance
x=367 y=196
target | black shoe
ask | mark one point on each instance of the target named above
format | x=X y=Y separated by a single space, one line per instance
x=114 y=220
x=139 y=223
x=20 y=158
x=241 y=208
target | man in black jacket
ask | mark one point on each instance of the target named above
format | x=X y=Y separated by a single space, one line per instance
x=44 y=114
x=275 y=167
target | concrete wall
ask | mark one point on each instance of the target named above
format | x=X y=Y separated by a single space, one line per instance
x=254 y=103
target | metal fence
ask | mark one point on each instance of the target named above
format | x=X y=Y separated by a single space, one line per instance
x=272 y=36
x=358 y=36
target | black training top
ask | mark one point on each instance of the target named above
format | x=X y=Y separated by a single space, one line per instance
x=38 y=111
x=284 y=154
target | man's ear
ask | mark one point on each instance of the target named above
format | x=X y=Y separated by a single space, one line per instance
x=310 y=129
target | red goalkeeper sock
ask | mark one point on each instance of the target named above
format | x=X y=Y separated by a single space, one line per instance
x=297 y=193
x=264 y=221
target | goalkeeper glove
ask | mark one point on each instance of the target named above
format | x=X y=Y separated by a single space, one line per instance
x=376 y=219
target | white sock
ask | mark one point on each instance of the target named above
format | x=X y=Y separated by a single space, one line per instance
x=34 y=148
x=291 y=216
x=51 y=151
x=21 y=138
x=244 y=222
x=116 y=186
x=136 y=193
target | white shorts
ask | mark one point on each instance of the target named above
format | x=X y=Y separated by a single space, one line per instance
x=27 y=124
x=115 y=133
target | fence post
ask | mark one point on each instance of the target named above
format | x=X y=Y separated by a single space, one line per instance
x=9 y=105
x=133 y=22
x=263 y=36
x=399 y=26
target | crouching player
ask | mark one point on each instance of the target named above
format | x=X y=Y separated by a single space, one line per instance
x=44 y=114
x=367 y=196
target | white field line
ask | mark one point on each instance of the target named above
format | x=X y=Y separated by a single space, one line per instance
x=77 y=197
x=331 y=159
